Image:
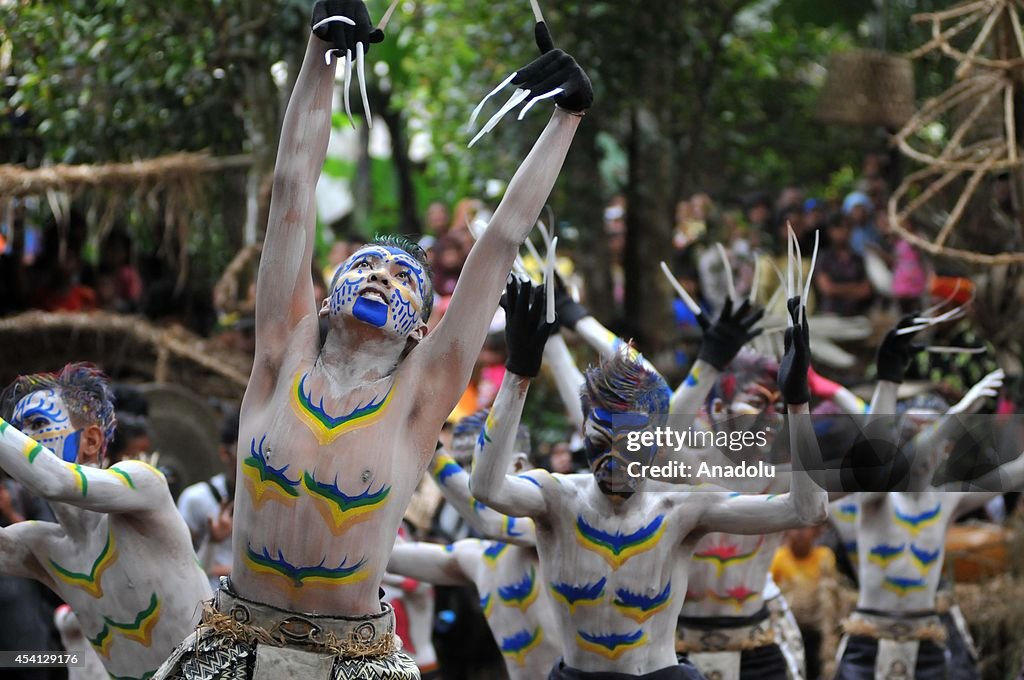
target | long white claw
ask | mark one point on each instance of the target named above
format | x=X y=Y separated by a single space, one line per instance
x=810 y=273
x=789 y=269
x=328 y=53
x=756 y=280
x=554 y=93
x=334 y=19
x=939 y=349
x=799 y=272
x=774 y=299
x=680 y=291
x=480 y=106
x=544 y=233
x=912 y=329
x=387 y=15
x=532 y=250
x=549 y=280
x=951 y=315
x=536 y=11
x=730 y=285
x=346 y=86
x=516 y=99
x=361 y=74
x=799 y=260
x=778 y=275
x=944 y=302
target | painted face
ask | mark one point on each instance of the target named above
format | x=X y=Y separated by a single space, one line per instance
x=382 y=287
x=605 y=442
x=43 y=416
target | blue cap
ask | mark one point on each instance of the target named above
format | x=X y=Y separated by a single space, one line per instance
x=854 y=199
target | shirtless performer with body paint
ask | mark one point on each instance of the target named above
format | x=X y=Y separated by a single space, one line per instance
x=334 y=439
x=900 y=540
x=119 y=554
x=618 y=553
x=725 y=626
x=506 y=571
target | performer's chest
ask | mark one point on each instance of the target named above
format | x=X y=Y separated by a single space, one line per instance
x=901 y=540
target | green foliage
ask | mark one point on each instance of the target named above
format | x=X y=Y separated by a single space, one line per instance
x=103 y=80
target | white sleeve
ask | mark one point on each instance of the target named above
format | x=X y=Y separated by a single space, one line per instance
x=193 y=504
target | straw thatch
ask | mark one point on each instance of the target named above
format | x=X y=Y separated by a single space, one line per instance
x=126 y=347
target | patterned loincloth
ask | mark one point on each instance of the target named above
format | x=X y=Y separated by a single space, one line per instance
x=732 y=648
x=788 y=636
x=239 y=639
x=892 y=647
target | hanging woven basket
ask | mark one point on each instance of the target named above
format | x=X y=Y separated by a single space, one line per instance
x=867 y=88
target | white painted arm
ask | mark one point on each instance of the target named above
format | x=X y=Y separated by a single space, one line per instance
x=428 y=562
x=16 y=558
x=568 y=378
x=606 y=343
x=692 y=394
x=454 y=484
x=128 y=486
x=806 y=504
x=455 y=343
x=490 y=483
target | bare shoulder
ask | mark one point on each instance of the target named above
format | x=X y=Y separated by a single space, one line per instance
x=136 y=473
x=277 y=351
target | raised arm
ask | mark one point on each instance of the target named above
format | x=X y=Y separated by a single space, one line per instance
x=722 y=341
x=806 y=504
x=894 y=356
x=848 y=402
x=450 y=350
x=284 y=287
x=567 y=376
x=606 y=343
x=430 y=563
x=525 y=334
x=1005 y=478
x=454 y=483
x=128 y=486
x=927 y=446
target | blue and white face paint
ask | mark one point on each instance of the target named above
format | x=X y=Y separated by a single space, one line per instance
x=605 y=443
x=43 y=416
x=382 y=287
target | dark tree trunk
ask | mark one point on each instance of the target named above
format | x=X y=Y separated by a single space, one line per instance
x=582 y=196
x=649 y=232
x=408 y=209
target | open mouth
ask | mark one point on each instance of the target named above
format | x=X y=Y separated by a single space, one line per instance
x=374 y=294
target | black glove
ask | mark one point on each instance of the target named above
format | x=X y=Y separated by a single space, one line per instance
x=555 y=69
x=342 y=35
x=797 y=360
x=526 y=331
x=896 y=352
x=723 y=340
x=569 y=311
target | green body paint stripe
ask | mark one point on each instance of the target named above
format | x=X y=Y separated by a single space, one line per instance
x=139 y=618
x=92 y=572
x=82 y=478
x=124 y=475
x=34 y=452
